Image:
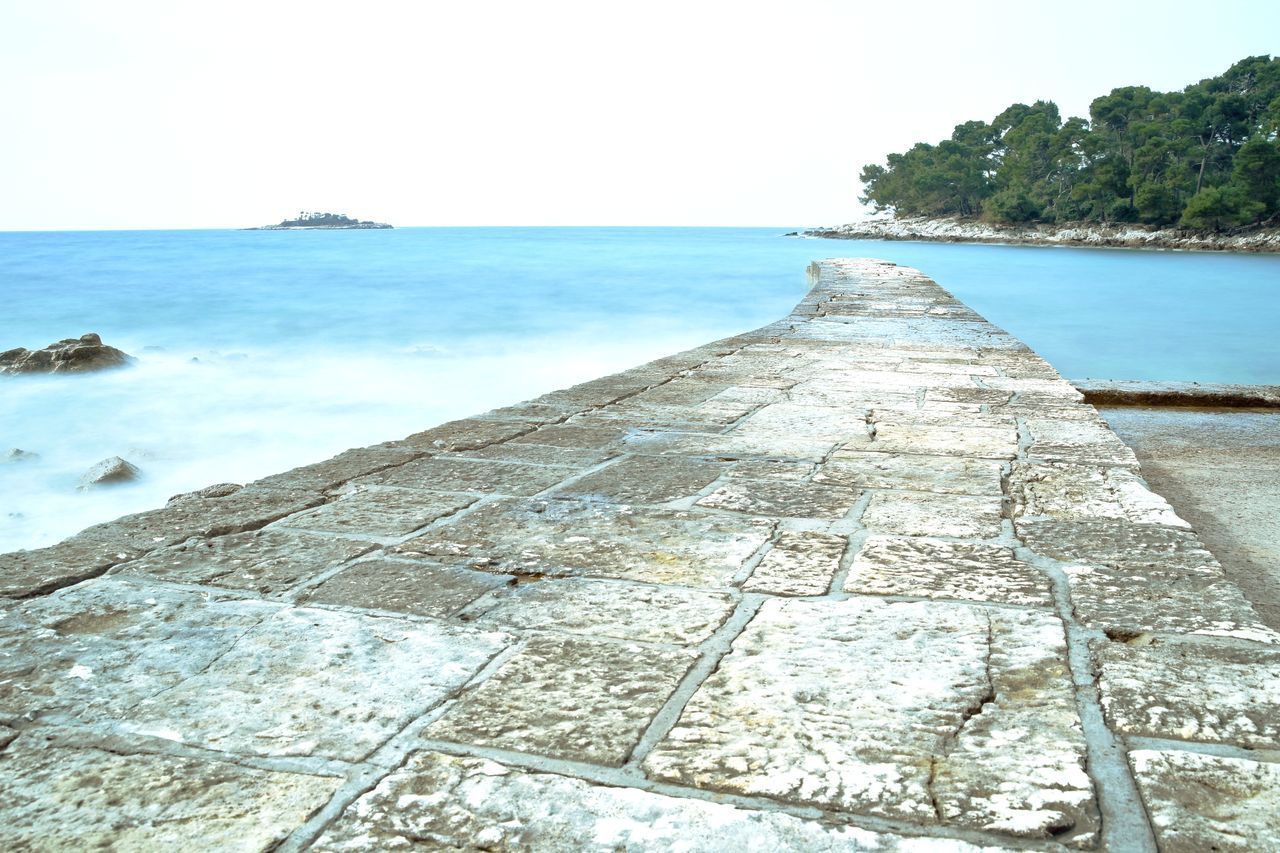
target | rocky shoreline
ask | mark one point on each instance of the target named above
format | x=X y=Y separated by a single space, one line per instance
x=1126 y=236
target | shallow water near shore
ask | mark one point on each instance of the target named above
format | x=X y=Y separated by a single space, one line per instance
x=260 y=351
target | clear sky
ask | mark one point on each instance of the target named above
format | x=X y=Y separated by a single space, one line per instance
x=130 y=114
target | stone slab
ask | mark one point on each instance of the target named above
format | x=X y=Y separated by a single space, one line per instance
x=451 y=474
x=1203 y=802
x=568 y=697
x=920 y=514
x=58 y=797
x=265 y=561
x=945 y=474
x=933 y=568
x=405 y=587
x=593 y=539
x=928 y=712
x=973 y=442
x=1081 y=492
x=1192 y=692
x=449 y=802
x=799 y=563
x=606 y=608
x=778 y=498
x=645 y=480
x=382 y=511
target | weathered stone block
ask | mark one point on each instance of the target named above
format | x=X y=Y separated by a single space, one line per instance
x=1198 y=693
x=405 y=587
x=978 y=442
x=921 y=514
x=464 y=802
x=593 y=539
x=60 y=797
x=452 y=474
x=945 y=474
x=799 y=563
x=1203 y=802
x=933 y=568
x=645 y=480
x=382 y=511
x=607 y=608
x=572 y=698
x=928 y=712
x=265 y=561
x=780 y=498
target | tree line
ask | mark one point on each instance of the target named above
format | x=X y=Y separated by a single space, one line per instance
x=1207 y=157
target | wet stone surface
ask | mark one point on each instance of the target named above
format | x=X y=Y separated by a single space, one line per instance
x=872 y=577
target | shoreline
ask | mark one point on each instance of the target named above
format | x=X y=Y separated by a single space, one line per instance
x=1098 y=236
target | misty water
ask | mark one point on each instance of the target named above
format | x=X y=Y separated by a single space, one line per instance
x=260 y=351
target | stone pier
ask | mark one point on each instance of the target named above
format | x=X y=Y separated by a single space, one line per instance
x=872 y=577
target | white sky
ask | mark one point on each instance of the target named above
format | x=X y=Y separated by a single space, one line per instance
x=129 y=114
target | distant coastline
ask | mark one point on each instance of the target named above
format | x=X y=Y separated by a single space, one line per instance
x=320 y=221
x=954 y=229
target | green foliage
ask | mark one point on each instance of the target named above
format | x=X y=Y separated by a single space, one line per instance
x=1205 y=157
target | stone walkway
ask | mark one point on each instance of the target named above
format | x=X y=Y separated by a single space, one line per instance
x=869 y=578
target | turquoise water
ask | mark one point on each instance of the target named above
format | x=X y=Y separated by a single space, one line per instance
x=263 y=350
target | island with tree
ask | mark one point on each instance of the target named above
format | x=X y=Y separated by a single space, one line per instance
x=1194 y=165
x=312 y=221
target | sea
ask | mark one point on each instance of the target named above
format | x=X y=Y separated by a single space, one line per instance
x=258 y=351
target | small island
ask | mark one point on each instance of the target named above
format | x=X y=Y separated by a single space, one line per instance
x=312 y=221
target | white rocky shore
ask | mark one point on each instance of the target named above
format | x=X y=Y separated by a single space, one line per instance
x=957 y=230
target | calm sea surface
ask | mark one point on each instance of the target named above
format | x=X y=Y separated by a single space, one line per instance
x=262 y=350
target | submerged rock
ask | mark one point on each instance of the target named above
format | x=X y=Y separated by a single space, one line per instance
x=17 y=454
x=71 y=355
x=109 y=472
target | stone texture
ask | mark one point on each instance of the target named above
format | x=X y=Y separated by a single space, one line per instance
x=1077 y=492
x=799 y=563
x=1192 y=692
x=59 y=797
x=1203 y=802
x=568 y=697
x=404 y=587
x=467 y=475
x=109 y=472
x=383 y=512
x=919 y=514
x=946 y=474
x=265 y=561
x=441 y=801
x=773 y=497
x=918 y=711
x=1082 y=442
x=607 y=608
x=70 y=355
x=977 y=442
x=564 y=537
x=645 y=480
x=933 y=568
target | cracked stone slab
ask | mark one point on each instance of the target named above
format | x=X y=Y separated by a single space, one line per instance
x=58 y=797
x=794 y=420
x=465 y=802
x=96 y=650
x=920 y=514
x=300 y=681
x=1192 y=692
x=467 y=475
x=266 y=561
x=575 y=435
x=977 y=442
x=538 y=454
x=607 y=608
x=923 y=711
x=933 y=568
x=947 y=474
x=568 y=697
x=469 y=434
x=645 y=480
x=1205 y=802
x=593 y=539
x=799 y=563
x=346 y=466
x=382 y=511
x=1078 y=492
x=43 y=570
x=1115 y=543
x=418 y=588
x=791 y=472
x=781 y=498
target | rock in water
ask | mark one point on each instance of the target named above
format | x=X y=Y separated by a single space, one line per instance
x=72 y=355
x=17 y=454
x=109 y=472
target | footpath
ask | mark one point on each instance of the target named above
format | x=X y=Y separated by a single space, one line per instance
x=873 y=577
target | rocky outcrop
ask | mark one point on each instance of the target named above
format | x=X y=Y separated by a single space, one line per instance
x=17 y=454
x=1128 y=236
x=71 y=355
x=109 y=472
x=325 y=221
